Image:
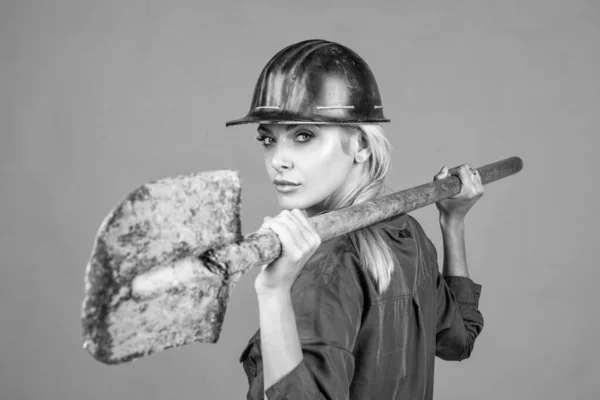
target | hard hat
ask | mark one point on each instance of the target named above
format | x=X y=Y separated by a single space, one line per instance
x=315 y=82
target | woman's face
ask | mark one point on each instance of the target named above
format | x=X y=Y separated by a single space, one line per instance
x=306 y=163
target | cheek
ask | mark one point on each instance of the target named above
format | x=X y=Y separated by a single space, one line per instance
x=268 y=164
x=328 y=168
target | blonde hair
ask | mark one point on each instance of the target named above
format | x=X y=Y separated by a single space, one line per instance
x=374 y=253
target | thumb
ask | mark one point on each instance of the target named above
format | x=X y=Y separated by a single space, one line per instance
x=263 y=226
x=442 y=174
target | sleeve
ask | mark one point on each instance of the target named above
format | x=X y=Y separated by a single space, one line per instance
x=459 y=321
x=327 y=304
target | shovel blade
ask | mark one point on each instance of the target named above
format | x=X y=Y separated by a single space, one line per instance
x=146 y=287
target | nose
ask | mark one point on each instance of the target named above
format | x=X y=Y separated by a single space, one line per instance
x=281 y=158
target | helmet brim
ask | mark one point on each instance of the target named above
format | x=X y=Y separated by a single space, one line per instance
x=263 y=119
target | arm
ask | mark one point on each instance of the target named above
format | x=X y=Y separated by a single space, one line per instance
x=327 y=308
x=453 y=236
x=281 y=350
x=326 y=316
x=459 y=320
x=308 y=320
x=452 y=218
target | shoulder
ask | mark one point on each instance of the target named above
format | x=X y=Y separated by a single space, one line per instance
x=336 y=269
x=333 y=273
x=402 y=230
x=405 y=226
x=420 y=235
x=334 y=262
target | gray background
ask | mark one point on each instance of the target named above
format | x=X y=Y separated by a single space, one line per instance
x=99 y=97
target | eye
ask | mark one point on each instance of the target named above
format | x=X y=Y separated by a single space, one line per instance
x=266 y=140
x=305 y=135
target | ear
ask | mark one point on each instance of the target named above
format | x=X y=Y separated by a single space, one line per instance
x=362 y=156
x=363 y=152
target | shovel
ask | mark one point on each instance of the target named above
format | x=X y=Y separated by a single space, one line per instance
x=166 y=259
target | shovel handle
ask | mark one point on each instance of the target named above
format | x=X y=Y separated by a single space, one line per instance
x=265 y=247
x=344 y=220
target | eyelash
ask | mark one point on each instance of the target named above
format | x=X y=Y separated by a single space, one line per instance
x=262 y=138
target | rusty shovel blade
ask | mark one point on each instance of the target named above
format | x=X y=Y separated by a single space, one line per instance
x=146 y=288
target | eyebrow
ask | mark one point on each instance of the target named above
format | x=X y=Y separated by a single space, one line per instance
x=288 y=128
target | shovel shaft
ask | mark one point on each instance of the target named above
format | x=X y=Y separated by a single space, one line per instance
x=341 y=221
x=266 y=247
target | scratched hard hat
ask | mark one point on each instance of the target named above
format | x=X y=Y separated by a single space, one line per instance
x=315 y=81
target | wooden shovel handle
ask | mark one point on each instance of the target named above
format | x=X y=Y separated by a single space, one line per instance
x=267 y=248
x=344 y=220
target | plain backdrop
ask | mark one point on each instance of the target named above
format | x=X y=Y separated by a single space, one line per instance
x=98 y=97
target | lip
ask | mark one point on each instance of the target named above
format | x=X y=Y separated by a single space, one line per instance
x=286 y=188
x=282 y=182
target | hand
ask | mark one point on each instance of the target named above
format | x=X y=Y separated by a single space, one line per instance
x=299 y=241
x=471 y=190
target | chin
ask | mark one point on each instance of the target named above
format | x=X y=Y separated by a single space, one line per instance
x=289 y=202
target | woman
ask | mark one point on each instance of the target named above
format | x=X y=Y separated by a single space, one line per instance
x=361 y=316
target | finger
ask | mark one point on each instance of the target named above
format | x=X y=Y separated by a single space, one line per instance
x=301 y=234
x=308 y=238
x=478 y=184
x=283 y=229
x=442 y=174
x=302 y=218
x=269 y=222
x=311 y=234
x=264 y=226
x=464 y=174
x=465 y=180
x=472 y=184
x=474 y=174
x=478 y=176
